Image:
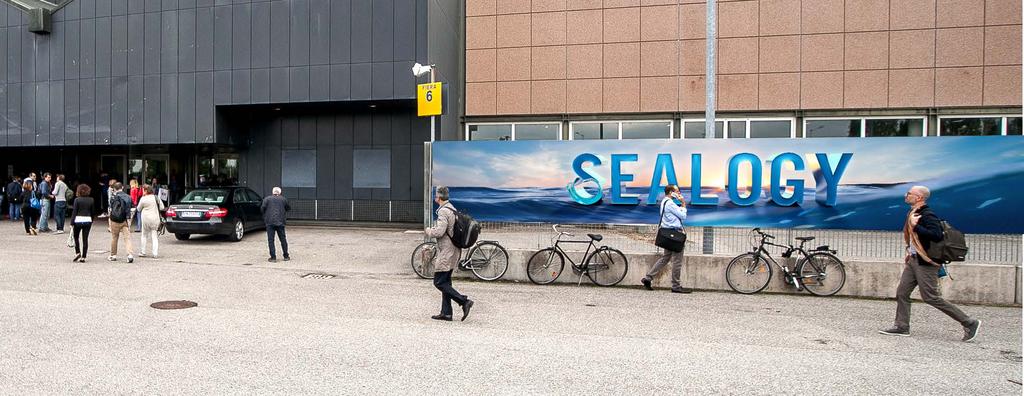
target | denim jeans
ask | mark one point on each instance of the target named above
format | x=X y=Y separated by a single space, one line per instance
x=15 y=211
x=59 y=210
x=44 y=216
x=279 y=230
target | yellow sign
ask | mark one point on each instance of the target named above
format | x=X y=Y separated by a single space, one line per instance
x=428 y=99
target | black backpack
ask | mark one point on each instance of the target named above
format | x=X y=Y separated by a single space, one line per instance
x=119 y=210
x=952 y=247
x=465 y=230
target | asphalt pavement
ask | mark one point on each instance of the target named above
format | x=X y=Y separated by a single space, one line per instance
x=262 y=328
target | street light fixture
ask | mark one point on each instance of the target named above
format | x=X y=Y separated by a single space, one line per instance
x=419 y=70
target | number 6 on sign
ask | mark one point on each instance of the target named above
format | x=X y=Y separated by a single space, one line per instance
x=429 y=99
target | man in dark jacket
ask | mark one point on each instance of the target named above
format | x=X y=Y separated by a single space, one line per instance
x=921 y=229
x=14 y=198
x=275 y=211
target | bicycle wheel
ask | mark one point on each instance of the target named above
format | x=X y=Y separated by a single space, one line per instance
x=606 y=266
x=748 y=273
x=545 y=266
x=822 y=274
x=423 y=260
x=488 y=261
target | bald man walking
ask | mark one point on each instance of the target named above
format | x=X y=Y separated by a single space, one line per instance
x=921 y=229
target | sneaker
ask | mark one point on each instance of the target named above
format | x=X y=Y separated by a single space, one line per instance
x=272 y=260
x=896 y=331
x=112 y=258
x=647 y=283
x=971 y=331
x=287 y=258
x=60 y=231
x=143 y=254
x=131 y=259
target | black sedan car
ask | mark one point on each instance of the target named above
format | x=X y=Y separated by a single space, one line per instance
x=230 y=211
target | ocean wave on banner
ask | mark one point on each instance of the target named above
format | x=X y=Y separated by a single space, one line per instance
x=975 y=203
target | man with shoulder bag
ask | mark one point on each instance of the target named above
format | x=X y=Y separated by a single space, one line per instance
x=671 y=238
x=922 y=229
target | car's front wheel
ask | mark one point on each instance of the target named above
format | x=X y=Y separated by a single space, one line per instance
x=239 y=232
x=182 y=237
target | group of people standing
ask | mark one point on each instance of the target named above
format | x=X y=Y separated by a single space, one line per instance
x=30 y=199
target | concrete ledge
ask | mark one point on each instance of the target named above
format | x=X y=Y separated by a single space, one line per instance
x=973 y=283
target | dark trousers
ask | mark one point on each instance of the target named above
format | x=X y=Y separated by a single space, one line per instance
x=443 y=282
x=59 y=213
x=279 y=230
x=82 y=230
x=925 y=277
x=31 y=217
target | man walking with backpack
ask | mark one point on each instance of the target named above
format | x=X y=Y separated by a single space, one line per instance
x=120 y=221
x=275 y=213
x=447 y=257
x=921 y=229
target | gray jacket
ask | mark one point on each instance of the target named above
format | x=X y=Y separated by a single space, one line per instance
x=275 y=209
x=447 y=253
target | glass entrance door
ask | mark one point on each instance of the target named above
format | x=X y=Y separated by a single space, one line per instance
x=155 y=167
x=114 y=166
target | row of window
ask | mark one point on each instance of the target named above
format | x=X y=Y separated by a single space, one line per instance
x=745 y=128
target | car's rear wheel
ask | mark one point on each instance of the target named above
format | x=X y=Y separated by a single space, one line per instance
x=182 y=237
x=239 y=232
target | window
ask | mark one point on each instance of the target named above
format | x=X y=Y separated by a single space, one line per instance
x=742 y=128
x=240 y=196
x=589 y=130
x=594 y=130
x=695 y=129
x=537 y=131
x=253 y=196
x=979 y=125
x=523 y=131
x=865 y=127
x=1013 y=126
x=771 y=129
x=489 y=132
x=371 y=168
x=832 y=128
x=647 y=130
x=298 y=168
x=887 y=127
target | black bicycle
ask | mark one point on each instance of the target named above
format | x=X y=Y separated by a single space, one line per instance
x=818 y=270
x=605 y=266
x=488 y=260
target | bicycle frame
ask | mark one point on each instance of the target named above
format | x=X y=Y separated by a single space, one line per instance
x=590 y=245
x=761 y=252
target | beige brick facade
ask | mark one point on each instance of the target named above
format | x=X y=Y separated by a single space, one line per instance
x=549 y=57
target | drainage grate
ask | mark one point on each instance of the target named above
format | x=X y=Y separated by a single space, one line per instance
x=181 y=304
x=317 y=276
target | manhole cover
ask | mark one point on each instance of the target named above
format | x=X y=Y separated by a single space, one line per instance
x=317 y=276
x=180 y=304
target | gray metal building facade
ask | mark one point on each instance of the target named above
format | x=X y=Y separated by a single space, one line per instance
x=254 y=79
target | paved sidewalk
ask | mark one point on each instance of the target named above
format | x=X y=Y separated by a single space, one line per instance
x=260 y=328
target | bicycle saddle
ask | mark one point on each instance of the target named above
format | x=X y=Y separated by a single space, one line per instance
x=596 y=237
x=805 y=239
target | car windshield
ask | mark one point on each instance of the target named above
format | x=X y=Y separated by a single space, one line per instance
x=205 y=197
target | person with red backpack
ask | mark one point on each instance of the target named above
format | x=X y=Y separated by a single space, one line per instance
x=923 y=228
x=447 y=256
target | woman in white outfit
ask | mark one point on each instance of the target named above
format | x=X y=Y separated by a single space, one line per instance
x=149 y=212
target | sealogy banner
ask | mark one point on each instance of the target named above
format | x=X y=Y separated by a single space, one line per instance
x=826 y=183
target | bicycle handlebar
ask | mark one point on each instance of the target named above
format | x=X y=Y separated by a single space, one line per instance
x=764 y=234
x=555 y=227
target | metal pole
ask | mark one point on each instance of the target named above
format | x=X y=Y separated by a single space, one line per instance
x=709 y=72
x=432 y=122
